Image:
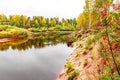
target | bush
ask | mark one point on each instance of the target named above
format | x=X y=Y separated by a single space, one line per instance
x=70 y=66
x=77 y=54
x=73 y=74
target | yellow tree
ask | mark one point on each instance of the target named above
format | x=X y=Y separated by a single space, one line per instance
x=23 y=20
x=14 y=20
x=28 y=22
x=82 y=20
x=43 y=20
x=53 y=21
x=3 y=17
x=36 y=23
x=91 y=13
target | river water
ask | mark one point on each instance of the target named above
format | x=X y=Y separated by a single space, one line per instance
x=33 y=59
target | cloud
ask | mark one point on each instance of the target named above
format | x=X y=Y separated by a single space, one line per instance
x=47 y=8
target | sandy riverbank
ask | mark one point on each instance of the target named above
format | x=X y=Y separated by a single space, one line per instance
x=89 y=63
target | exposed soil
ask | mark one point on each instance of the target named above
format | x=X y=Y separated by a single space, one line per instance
x=90 y=64
x=5 y=40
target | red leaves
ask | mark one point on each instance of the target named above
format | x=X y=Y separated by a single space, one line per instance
x=104 y=61
x=105 y=41
x=111 y=19
x=116 y=47
x=98 y=27
x=104 y=38
x=118 y=33
x=103 y=11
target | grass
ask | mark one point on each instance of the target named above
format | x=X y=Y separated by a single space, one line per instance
x=77 y=54
x=70 y=66
x=73 y=74
x=52 y=28
x=94 y=37
x=7 y=31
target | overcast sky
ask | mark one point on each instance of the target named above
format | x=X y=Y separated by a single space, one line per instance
x=47 y=8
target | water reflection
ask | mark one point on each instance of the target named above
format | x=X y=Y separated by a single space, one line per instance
x=33 y=64
x=35 y=58
x=38 y=42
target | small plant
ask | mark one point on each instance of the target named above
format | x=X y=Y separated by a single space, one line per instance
x=85 y=63
x=92 y=57
x=70 y=66
x=80 y=46
x=116 y=76
x=89 y=40
x=73 y=74
x=84 y=52
x=77 y=54
x=107 y=77
x=94 y=37
x=89 y=47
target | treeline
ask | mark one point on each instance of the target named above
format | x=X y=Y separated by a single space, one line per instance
x=36 y=22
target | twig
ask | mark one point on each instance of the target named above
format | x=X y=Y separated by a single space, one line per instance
x=111 y=51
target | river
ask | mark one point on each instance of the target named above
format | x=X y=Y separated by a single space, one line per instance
x=38 y=58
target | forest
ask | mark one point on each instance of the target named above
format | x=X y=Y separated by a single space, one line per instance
x=95 y=35
x=10 y=25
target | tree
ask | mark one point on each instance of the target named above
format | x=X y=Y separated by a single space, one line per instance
x=43 y=21
x=92 y=9
x=3 y=17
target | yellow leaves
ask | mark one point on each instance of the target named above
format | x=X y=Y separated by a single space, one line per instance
x=2 y=17
x=66 y=22
x=36 y=22
x=53 y=21
x=23 y=18
x=43 y=20
x=39 y=22
x=81 y=20
x=12 y=31
x=49 y=22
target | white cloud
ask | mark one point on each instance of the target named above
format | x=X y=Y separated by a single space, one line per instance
x=47 y=8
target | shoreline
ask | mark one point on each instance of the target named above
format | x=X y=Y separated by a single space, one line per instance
x=87 y=65
x=5 y=40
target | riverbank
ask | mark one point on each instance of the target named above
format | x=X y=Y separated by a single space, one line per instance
x=7 y=31
x=40 y=39
x=91 y=60
x=86 y=60
x=86 y=63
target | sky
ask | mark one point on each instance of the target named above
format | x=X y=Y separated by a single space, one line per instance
x=46 y=8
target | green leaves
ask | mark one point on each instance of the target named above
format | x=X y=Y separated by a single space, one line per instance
x=107 y=78
x=73 y=74
x=70 y=66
